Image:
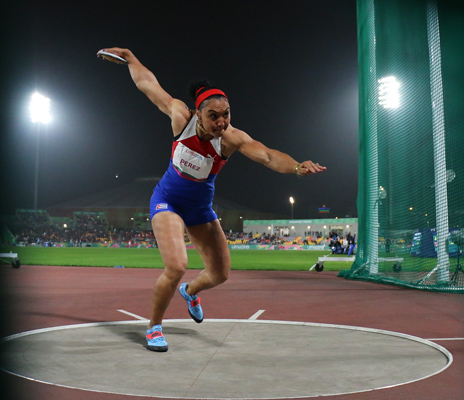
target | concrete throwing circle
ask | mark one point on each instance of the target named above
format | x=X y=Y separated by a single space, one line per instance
x=223 y=359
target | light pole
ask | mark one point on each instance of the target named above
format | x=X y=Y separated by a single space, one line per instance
x=291 y=202
x=39 y=108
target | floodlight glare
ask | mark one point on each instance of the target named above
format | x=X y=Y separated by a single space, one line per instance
x=291 y=202
x=389 y=96
x=382 y=193
x=40 y=107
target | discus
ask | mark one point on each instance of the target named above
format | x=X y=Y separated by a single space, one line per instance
x=111 y=57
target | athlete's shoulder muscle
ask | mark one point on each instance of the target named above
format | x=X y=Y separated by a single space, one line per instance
x=180 y=116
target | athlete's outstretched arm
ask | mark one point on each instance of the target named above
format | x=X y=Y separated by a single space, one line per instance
x=146 y=82
x=273 y=159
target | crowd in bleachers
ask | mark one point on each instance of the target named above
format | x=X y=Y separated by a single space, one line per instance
x=342 y=245
x=268 y=239
x=90 y=221
x=49 y=234
x=37 y=228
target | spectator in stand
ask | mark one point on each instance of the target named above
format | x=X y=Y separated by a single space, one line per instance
x=351 y=244
x=345 y=245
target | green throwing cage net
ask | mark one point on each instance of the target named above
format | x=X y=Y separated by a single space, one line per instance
x=411 y=169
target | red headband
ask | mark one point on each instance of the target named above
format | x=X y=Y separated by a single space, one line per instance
x=206 y=94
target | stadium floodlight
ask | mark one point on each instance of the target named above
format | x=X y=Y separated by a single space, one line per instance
x=291 y=202
x=40 y=107
x=389 y=95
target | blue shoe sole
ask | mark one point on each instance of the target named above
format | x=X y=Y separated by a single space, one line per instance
x=159 y=349
x=198 y=321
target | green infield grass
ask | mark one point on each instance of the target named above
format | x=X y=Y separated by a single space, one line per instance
x=281 y=260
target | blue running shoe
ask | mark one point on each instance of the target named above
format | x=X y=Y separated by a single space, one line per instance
x=193 y=303
x=155 y=339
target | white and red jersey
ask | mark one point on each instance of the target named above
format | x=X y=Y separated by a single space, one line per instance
x=193 y=167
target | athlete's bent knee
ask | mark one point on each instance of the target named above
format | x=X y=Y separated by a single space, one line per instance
x=220 y=277
x=175 y=272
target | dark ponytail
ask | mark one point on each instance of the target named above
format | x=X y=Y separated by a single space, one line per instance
x=194 y=87
x=203 y=90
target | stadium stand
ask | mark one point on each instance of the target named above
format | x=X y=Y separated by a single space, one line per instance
x=127 y=206
x=121 y=215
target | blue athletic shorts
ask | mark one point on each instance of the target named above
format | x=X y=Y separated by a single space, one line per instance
x=192 y=215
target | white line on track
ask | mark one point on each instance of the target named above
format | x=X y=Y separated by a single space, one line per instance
x=132 y=315
x=256 y=314
x=451 y=338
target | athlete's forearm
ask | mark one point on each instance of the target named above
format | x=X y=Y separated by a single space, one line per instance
x=141 y=75
x=145 y=80
x=280 y=162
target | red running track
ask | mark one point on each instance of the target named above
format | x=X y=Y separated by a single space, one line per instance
x=36 y=297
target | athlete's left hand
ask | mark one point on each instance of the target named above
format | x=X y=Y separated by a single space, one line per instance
x=309 y=167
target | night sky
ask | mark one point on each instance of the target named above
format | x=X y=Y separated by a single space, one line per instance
x=288 y=68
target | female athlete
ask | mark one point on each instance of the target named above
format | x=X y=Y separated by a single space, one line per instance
x=204 y=140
